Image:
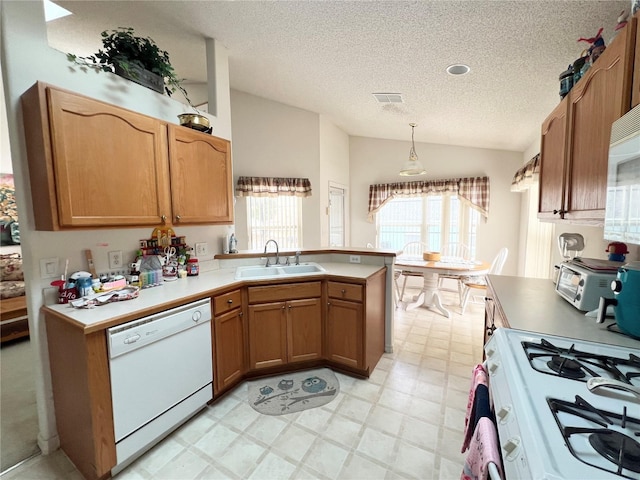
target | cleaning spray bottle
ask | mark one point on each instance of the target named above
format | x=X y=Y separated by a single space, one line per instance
x=233 y=244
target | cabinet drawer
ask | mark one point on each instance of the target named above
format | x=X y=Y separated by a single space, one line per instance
x=226 y=302
x=346 y=291
x=286 y=291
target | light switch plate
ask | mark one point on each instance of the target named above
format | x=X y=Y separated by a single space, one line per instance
x=50 y=267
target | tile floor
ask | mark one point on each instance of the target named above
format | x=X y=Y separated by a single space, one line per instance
x=404 y=422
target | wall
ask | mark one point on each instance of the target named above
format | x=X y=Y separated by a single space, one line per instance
x=375 y=161
x=334 y=168
x=275 y=140
x=23 y=29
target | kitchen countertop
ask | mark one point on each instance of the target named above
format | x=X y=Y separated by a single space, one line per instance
x=170 y=294
x=532 y=304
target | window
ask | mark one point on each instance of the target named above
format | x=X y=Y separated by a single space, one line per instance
x=436 y=220
x=277 y=218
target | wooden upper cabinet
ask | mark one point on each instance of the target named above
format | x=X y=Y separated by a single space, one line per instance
x=93 y=164
x=553 y=156
x=635 y=93
x=201 y=178
x=575 y=137
x=602 y=96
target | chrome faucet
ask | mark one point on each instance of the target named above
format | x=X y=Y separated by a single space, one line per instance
x=277 y=252
x=297 y=258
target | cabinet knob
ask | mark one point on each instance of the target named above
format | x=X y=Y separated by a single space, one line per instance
x=289 y=305
x=229 y=301
x=343 y=291
x=164 y=218
x=177 y=218
x=328 y=304
x=283 y=307
x=561 y=212
x=240 y=314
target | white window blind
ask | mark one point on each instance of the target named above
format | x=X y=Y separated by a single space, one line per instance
x=277 y=218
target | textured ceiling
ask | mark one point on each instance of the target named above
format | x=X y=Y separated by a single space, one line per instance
x=330 y=56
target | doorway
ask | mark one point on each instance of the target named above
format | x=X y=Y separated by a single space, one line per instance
x=337 y=215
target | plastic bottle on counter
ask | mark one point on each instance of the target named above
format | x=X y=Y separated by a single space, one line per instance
x=193 y=267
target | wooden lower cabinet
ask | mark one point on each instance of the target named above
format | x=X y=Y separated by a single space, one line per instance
x=494 y=317
x=228 y=341
x=286 y=330
x=345 y=324
x=355 y=323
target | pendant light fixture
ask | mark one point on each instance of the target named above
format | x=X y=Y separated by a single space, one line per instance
x=412 y=167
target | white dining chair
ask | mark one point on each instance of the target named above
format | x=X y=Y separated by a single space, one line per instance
x=414 y=251
x=479 y=283
x=451 y=252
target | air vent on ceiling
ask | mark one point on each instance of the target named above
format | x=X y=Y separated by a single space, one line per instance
x=388 y=97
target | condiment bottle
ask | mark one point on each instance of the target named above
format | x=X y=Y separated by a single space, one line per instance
x=193 y=268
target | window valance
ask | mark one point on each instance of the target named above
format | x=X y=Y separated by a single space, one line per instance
x=473 y=190
x=526 y=175
x=273 y=187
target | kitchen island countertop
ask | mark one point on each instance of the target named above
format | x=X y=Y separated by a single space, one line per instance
x=181 y=291
x=532 y=304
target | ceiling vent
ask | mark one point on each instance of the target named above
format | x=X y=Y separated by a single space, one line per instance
x=388 y=97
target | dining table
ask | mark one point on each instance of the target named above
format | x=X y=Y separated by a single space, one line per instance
x=429 y=296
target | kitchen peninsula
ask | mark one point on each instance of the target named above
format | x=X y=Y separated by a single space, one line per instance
x=341 y=318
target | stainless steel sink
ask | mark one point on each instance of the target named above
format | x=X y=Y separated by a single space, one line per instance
x=275 y=271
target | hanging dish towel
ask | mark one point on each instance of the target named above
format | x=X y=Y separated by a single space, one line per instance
x=479 y=377
x=483 y=451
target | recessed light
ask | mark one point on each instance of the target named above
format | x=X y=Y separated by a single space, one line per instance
x=458 y=69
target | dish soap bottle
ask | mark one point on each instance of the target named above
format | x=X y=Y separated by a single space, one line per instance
x=233 y=244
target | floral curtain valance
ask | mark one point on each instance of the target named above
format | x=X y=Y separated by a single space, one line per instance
x=473 y=190
x=273 y=187
x=527 y=175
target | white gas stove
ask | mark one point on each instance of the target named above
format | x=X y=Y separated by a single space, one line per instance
x=551 y=425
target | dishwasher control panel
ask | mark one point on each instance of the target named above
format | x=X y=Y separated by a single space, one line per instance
x=144 y=331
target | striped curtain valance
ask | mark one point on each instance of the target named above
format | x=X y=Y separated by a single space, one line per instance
x=473 y=190
x=527 y=175
x=273 y=187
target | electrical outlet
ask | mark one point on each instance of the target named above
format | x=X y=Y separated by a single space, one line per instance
x=202 y=249
x=115 y=260
x=354 y=258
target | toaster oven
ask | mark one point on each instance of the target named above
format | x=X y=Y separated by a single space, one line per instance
x=583 y=287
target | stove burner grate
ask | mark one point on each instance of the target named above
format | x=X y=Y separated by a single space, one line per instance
x=566 y=367
x=579 y=364
x=618 y=448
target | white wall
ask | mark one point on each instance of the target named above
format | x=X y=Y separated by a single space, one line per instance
x=334 y=168
x=27 y=58
x=275 y=140
x=375 y=161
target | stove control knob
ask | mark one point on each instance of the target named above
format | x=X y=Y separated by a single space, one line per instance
x=504 y=414
x=490 y=351
x=512 y=448
x=581 y=282
x=493 y=367
x=616 y=286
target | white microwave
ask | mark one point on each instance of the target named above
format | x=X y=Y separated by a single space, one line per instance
x=622 y=214
x=582 y=287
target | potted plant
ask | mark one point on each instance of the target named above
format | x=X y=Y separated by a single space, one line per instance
x=137 y=58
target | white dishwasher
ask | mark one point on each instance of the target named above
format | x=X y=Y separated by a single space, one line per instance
x=161 y=374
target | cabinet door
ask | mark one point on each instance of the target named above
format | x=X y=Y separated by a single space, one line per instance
x=345 y=333
x=552 y=162
x=304 y=330
x=595 y=102
x=109 y=164
x=201 y=180
x=228 y=337
x=267 y=335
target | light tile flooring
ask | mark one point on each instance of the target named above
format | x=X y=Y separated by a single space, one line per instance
x=404 y=422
